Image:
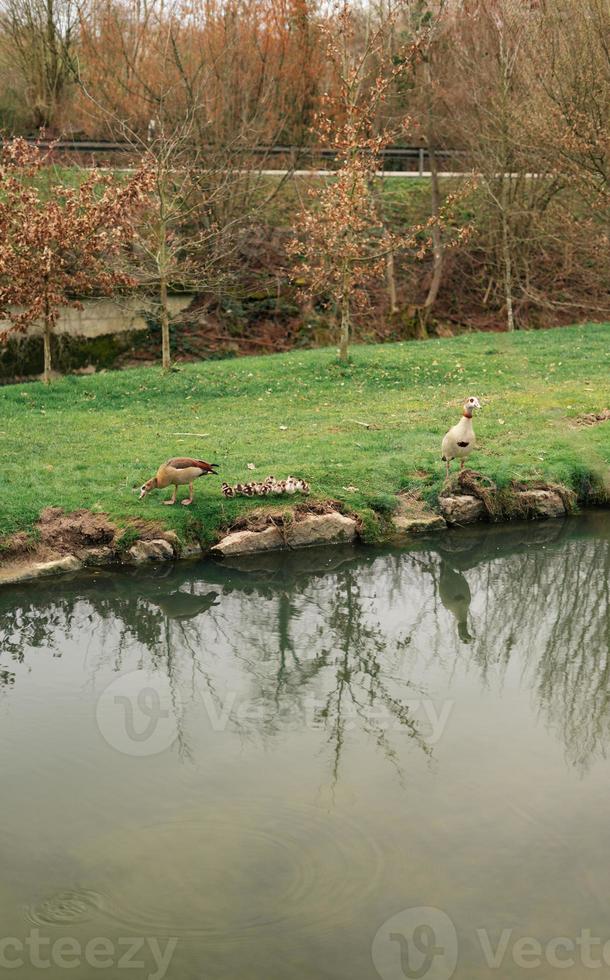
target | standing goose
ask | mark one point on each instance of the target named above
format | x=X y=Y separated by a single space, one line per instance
x=178 y=472
x=460 y=441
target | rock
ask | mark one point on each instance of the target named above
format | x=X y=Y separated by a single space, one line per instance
x=249 y=542
x=418 y=525
x=464 y=509
x=191 y=550
x=173 y=539
x=156 y=550
x=412 y=517
x=314 y=529
x=26 y=572
x=333 y=528
x=542 y=503
x=69 y=563
x=99 y=556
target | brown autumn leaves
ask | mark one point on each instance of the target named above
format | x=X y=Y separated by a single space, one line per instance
x=522 y=89
x=58 y=243
x=344 y=243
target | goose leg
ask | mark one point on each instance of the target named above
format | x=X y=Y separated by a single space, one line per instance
x=188 y=500
x=461 y=464
x=447 y=465
x=172 y=500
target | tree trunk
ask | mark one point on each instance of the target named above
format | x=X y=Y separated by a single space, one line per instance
x=437 y=244
x=46 y=342
x=391 y=280
x=345 y=322
x=164 y=317
x=505 y=201
x=46 y=375
x=435 y=202
x=507 y=264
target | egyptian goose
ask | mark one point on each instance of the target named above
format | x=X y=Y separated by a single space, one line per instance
x=178 y=472
x=460 y=441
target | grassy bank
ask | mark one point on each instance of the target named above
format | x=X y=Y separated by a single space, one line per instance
x=87 y=441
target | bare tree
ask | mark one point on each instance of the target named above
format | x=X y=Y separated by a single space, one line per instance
x=180 y=245
x=425 y=22
x=343 y=244
x=568 y=56
x=488 y=45
x=174 y=101
x=42 y=38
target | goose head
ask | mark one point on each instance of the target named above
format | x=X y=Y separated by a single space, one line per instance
x=148 y=486
x=470 y=405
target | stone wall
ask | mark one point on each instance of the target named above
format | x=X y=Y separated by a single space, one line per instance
x=91 y=338
x=108 y=316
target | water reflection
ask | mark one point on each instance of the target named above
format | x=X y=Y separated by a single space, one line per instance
x=454 y=593
x=343 y=640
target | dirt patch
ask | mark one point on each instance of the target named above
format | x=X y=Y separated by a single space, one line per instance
x=411 y=502
x=57 y=534
x=412 y=516
x=67 y=534
x=147 y=530
x=21 y=545
x=77 y=532
x=259 y=519
x=592 y=418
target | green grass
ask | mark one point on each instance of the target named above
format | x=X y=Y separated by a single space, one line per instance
x=87 y=441
x=401 y=196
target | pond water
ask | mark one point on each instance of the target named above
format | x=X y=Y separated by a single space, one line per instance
x=345 y=764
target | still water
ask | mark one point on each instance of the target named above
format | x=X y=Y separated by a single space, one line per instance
x=345 y=764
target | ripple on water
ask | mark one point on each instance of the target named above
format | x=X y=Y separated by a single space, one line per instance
x=225 y=873
x=67 y=906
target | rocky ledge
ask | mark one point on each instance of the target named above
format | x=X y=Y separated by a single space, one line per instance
x=25 y=571
x=313 y=529
x=463 y=509
x=536 y=504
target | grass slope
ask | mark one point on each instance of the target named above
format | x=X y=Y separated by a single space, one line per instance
x=87 y=441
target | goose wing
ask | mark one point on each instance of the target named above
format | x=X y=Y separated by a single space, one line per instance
x=186 y=462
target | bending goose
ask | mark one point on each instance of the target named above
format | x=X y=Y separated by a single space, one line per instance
x=178 y=472
x=460 y=440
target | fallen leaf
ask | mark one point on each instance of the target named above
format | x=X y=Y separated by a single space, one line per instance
x=251 y=466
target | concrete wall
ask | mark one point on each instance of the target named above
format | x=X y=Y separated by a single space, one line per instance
x=107 y=316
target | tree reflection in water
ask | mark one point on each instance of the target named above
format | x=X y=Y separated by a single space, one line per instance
x=338 y=638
